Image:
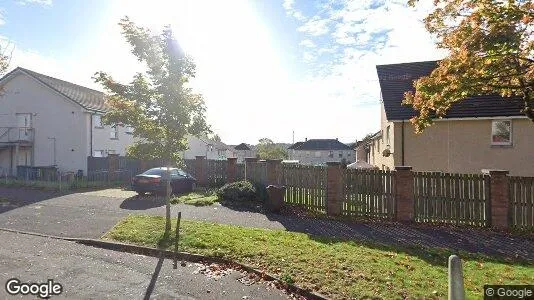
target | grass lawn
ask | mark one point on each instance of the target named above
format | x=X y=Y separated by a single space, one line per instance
x=336 y=268
x=197 y=198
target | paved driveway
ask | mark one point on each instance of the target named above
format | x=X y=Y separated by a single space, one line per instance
x=91 y=214
x=92 y=273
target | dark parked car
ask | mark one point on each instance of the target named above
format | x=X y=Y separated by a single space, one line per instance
x=153 y=181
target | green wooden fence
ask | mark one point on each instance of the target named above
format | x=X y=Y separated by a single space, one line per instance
x=461 y=199
x=305 y=186
x=368 y=194
x=521 y=202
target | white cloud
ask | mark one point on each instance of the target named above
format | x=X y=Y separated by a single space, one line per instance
x=307 y=43
x=40 y=2
x=315 y=26
x=289 y=6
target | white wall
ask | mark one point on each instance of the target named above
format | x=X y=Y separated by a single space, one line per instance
x=309 y=157
x=102 y=140
x=199 y=147
x=53 y=116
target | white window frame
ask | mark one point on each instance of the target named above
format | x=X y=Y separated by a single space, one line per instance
x=101 y=153
x=111 y=151
x=129 y=130
x=331 y=154
x=388 y=129
x=508 y=143
x=99 y=123
x=114 y=133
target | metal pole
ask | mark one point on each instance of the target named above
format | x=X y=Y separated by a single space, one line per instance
x=176 y=240
x=456 y=279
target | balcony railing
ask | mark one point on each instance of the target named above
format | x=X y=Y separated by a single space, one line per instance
x=16 y=135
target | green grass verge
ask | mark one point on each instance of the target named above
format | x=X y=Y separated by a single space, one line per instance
x=337 y=268
x=196 y=198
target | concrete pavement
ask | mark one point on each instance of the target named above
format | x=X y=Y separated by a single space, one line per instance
x=93 y=273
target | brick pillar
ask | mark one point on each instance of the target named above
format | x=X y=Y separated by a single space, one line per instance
x=334 y=186
x=274 y=171
x=200 y=170
x=231 y=169
x=249 y=160
x=499 y=198
x=404 y=196
x=113 y=166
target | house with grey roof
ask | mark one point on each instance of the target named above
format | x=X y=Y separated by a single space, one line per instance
x=480 y=132
x=45 y=121
x=242 y=151
x=321 y=151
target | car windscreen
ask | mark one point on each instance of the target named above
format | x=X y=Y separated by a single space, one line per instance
x=153 y=172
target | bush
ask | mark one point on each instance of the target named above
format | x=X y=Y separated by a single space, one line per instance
x=239 y=191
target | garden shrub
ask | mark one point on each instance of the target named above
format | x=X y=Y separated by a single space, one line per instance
x=239 y=191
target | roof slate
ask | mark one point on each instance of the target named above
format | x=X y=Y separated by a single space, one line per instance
x=242 y=146
x=396 y=79
x=322 y=144
x=87 y=98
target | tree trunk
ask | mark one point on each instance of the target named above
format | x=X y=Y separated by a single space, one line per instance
x=168 y=192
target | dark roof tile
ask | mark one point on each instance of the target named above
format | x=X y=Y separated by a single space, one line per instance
x=322 y=144
x=396 y=79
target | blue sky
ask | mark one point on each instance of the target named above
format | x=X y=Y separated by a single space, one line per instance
x=265 y=68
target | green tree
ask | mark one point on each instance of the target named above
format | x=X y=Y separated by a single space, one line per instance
x=157 y=103
x=215 y=137
x=491 y=51
x=267 y=149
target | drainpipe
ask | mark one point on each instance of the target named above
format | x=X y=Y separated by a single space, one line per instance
x=91 y=135
x=402 y=142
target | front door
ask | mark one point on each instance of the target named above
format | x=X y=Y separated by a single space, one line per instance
x=24 y=124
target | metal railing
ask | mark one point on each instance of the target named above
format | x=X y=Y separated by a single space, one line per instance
x=16 y=134
x=63 y=181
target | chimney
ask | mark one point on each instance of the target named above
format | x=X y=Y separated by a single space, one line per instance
x=337 y=139
x=305 y=139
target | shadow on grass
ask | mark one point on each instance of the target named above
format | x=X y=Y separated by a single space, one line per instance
x=142 y=202
x=434 y=244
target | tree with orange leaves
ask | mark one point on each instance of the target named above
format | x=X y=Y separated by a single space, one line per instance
x=491 y=51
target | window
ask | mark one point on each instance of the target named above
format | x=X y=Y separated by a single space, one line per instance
x=307 y=153
x=317 y=153
x=348 y=154
x=387 y=135
x=98 y=153
x=111 y=152
x=340 y=154
x=501 y=132
x=97 y=121
x=114 y=134
x=129 y=130
x=331 y=154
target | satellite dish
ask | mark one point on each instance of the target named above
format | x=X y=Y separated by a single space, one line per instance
x=386 y=152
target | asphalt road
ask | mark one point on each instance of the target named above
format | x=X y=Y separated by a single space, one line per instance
x=91 y=214
x=92 y=273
